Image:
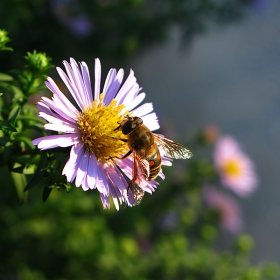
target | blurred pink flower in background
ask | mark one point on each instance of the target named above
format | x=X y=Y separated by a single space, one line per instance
x=78 y=24
x=235 y=168
x=210 y=133
x=228 y=208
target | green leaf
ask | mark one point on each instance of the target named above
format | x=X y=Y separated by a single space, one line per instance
x=25 y=140
x=39 y=173
x=30 y=118
x=46 y=193
x=5 y=78
x=6 y=49
x=4 y=141
x=20 y=183
x=27 y=169
x=13 y=114
x=36 y=127
x=8 y=126
x=18 y=94
x=6 y=153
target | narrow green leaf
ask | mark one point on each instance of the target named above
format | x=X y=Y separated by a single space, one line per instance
x=36 y=127
x=5 y=78
x=25 y=140
x=46 y=193
x=39 y=173
x=8 y=126
x=6 y=49
x=6 y=153
x=4 y=141
x=20 y=183
x=29 y=118
x=13 y=114
x=26 y=169
x=18 y=95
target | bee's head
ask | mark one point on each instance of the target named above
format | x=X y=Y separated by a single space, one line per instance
x=129 y=124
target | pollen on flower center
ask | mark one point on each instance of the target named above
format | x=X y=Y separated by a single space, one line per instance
x=232 y=167
x=97 y=125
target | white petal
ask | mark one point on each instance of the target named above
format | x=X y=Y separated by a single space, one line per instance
x=66 y=128
x=151 y=121
x=45 y=109
x=97 y=78
x=69 y=85
x=101 y=184
x=143 y=110
x=60 y=109
x=53 y=141
x=86 y=77
x=137 y=100
x=105 y=201
x=57 y=120
x=82 y=171
x=56 y=91
x=128 y=84
x=79 y=83
x=113 y=88
x=92 y=172
x=114 y=196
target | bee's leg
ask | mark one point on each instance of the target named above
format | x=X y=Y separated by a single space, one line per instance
x=126 y=155
x=123 y=157
x=117 y=128
x=120 y=139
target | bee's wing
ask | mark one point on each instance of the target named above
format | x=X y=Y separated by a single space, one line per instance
x=144 y=166
x=172 y=149
x=138 y=193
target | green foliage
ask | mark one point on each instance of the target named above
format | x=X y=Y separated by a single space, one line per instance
x=107 y=29
x=18 y=116
x=4 y=39
x=71 y=237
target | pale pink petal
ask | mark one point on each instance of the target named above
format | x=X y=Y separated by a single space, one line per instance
x=82 y=171
x=53 y=141
x=56 y=91
x=112 y=89
x=92 y=171
x=71 y=167
x=86 y=77
x=126 y=87
x=151 y=121
x=137 y=100
x=97 y=73
x=143 y=110
x=105 y=201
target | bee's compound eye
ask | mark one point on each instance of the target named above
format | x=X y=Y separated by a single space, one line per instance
x=127 y=126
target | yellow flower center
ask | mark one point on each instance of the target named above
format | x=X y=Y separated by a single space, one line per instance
x=232 y=167
x=97 y=125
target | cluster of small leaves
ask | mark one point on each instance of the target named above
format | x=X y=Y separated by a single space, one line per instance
x=110 y=29
x=75 y=239
x=18 y=117
x=4 y=39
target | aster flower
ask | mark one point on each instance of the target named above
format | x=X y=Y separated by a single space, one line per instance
x=226 y=206
x=89 y=127
x=235 y=168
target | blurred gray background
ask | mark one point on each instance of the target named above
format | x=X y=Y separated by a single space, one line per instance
x=229 y=77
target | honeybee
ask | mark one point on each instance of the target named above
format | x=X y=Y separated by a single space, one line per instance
x=144 y=147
